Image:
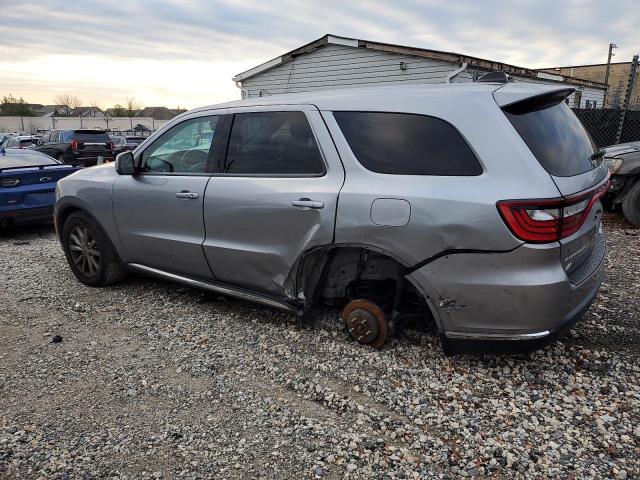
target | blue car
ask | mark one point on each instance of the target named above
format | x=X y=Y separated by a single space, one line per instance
x=27 y=186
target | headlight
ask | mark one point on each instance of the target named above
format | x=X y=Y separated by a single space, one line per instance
x=613 y=164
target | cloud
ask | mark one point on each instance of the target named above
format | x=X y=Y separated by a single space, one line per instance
x=186 y=51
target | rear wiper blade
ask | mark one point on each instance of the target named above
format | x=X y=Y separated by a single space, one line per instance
x=600 y=153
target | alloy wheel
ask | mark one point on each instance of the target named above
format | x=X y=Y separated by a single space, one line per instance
x=84 y=250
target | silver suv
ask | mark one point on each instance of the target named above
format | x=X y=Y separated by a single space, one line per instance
x=475 y=204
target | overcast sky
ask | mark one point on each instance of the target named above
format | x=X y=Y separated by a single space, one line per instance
x=184 y=52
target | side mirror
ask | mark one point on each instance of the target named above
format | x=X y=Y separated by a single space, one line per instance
x=125 y=164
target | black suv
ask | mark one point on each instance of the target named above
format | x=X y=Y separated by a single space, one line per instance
x=80 y=148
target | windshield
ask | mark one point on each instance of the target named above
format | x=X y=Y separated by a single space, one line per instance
x=555 y=136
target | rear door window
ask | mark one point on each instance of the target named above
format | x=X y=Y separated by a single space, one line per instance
x=273 y=143
x=554 y=135
x=407 y=144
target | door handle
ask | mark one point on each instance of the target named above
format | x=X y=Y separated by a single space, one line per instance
x=186 y=194
x=307 y=203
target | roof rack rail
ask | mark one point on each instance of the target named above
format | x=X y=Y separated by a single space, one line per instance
x=495 y=77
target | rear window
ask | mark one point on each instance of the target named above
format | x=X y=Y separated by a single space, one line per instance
x=135 y=140
x=554 y=135
x=90 y=136
x=407 y=144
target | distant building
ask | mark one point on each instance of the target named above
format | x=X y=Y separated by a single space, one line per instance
x=40 y=110
x=338 y=62
x=87 y=112
x=618 y=80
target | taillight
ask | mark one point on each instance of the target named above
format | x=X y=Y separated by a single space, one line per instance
x=545 y=221
x=74 y=145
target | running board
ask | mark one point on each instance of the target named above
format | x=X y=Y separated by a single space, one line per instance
x=217 y=288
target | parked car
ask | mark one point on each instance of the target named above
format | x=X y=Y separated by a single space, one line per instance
x=121 y=144
x=27 y=186
x=19 y=141
x=481 y=201
x=623 y=161
x=77 y=147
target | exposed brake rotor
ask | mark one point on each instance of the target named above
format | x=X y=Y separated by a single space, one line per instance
x=366 y=322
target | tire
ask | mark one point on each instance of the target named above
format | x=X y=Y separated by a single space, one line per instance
x=89 y=252
x=631 y=204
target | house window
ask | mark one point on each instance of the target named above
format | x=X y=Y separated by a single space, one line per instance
x=587 y=104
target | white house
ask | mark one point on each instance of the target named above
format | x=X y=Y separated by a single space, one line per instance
x=338 y=62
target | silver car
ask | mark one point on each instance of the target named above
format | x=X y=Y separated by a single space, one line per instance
x=476 y=204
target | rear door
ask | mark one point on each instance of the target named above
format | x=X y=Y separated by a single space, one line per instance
x=566 y=151
x=158 y=212
x=273 y=197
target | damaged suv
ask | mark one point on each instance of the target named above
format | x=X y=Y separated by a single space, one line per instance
x=481 y=201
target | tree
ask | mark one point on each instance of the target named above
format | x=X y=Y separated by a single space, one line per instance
x=14 y=107
x=118 y=111
x=132 y=107
x=180 y=110
x=68 y=103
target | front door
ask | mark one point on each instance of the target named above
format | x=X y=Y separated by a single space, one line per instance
x=158 y=211
x=273 y=197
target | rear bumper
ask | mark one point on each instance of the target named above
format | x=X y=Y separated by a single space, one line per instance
x=90 y=159
x=513 y=301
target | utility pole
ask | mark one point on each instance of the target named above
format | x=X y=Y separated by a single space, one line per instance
x=627 y=96
x=606 y=73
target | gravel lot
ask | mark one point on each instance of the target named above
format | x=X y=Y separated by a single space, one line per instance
x=154 y=380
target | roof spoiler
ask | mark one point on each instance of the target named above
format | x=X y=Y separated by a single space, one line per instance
x=522 y=97
x=495 y=77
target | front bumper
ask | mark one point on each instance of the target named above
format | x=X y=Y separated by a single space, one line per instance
x=513 y=301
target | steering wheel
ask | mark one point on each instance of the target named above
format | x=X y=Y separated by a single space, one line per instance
x=196 y=158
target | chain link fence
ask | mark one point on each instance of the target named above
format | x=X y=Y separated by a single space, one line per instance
x=603 y=125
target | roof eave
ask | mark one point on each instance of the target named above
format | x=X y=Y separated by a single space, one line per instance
x=404 y=50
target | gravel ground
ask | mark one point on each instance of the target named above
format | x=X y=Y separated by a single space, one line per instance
x=154 y=380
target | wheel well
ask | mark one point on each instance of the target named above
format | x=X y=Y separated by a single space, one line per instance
x=62 y=216
x=332 y=275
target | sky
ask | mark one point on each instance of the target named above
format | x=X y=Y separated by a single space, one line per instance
x=185 y=52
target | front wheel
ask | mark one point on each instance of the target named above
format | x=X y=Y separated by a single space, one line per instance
x=631 y=204
x=89 y=252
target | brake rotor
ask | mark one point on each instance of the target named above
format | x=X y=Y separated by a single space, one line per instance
x=366 y=322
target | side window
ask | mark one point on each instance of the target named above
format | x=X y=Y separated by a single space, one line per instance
x=184 y=148
x=407 y=144
x=44 y=139
x=276 y=143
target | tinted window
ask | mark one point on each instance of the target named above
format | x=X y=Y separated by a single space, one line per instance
x=406 y=144
x=277 y=143
x=184 y=148
x=555 y=136
x=28 y=141
x=91 y=136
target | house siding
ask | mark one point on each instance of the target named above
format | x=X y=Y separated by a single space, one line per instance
x=339 y=66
